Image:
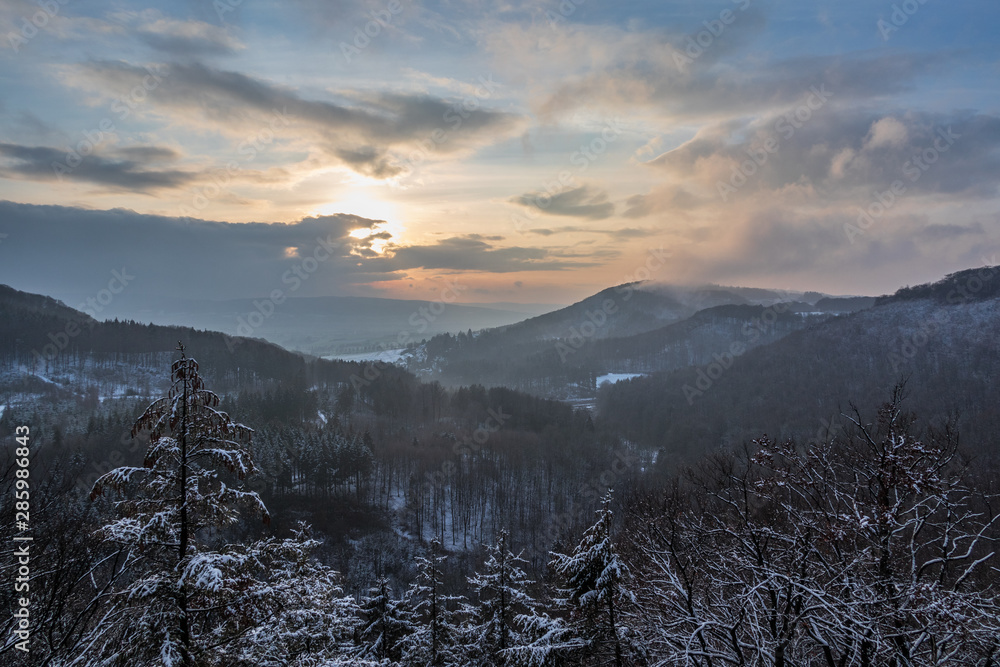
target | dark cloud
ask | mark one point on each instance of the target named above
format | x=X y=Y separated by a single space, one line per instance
x=119 y=169
x=55 y=249
x=582 y=202
x=944 y=232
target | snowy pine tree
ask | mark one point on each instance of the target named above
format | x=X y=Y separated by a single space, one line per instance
x=165 y=614
x=592 y=579
x=385 y=623
x=436 y=638
x=506 y=611
x=295 y=608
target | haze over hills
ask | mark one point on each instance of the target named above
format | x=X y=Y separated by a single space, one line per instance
x=939 y=337
x=360 y=327
x=381 y=461
x=631 y=328
x=543 y=333
x=322 y=326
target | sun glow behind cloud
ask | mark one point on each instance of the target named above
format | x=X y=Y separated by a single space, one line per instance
x=366 y=203
x=452 y=131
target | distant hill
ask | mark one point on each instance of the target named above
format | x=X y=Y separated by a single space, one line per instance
x=44 y=341
x=844 y=304
x=630 y=328
x=959 y=287
x=321 y=326
x=947 y=349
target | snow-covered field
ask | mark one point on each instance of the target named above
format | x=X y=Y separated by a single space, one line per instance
x=616 y=377
x=388 y=356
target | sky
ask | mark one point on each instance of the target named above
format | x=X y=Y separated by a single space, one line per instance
x=530 y=151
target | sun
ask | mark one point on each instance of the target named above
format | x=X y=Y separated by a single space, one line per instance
x=380 y=244
x=360 y=203
x=366 y=204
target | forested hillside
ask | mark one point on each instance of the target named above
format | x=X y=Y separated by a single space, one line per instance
x=632 y=328
x=941 y=337
x=350 y=514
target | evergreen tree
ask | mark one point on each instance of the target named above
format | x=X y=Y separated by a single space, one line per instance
x=504 y=603
x=435 y=641
x=592 y=578
x=185 y=488
x=295 y=606
x=385 y=624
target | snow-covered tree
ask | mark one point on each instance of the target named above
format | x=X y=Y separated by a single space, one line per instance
x=385 y=624
x=190 y=484
x=592 y=579
x=436 y=639
x=869 y=550
x=508 y=626
x=294 y=607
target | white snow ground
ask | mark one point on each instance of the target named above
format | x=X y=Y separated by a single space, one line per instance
x=616 y=377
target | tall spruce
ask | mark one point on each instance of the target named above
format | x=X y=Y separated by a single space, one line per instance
x=592 y=580
x=190 y=483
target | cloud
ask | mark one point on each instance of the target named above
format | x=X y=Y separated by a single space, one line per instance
x=944 y=232
x=471 y=253
x=636 y=70
x=667 y=197
x=888 y=132
x=582 y=202
x=837 y=156
x=375 y=134
x=186 y=39
x=116 y=168
x=55 y=249
x=620 y=234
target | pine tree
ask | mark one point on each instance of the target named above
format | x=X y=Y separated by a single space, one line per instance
x=504 y=605
x=296 y=610
x=592 y=577
x=435 y=641
x=194 y=449
x=385 y=624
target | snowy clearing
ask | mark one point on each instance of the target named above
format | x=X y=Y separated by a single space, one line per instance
x=616 y=377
